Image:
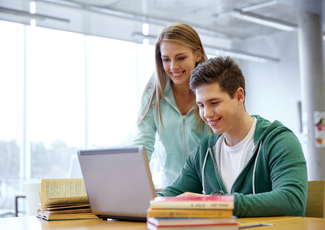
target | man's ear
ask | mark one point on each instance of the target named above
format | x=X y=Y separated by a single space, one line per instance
x=240 y=96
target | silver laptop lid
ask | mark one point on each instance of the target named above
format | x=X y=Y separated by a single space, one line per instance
x=118 y=182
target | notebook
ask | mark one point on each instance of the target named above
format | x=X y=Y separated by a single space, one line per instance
x=118 y=182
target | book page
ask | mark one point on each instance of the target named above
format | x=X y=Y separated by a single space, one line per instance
x=66 y=201
x=85 y=210
x=54 y=188
x=68 y=216
x=60 y=207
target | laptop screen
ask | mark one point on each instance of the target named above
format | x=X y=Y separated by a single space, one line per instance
x=118 y=182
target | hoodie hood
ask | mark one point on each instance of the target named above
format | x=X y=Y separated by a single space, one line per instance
x=264 y=129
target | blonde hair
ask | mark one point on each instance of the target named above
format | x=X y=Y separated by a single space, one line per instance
x=181 y=34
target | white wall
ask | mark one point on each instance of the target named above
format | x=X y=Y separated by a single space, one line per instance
x=273 y=89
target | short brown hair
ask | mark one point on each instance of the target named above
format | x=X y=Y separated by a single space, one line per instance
x=223 y=70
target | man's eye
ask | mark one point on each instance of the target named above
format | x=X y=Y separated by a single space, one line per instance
x=215 y=103
x=181 y=58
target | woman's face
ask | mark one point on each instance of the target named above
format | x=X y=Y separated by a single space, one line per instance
x=178 y=61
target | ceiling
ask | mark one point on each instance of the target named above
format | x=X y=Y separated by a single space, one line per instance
x=211 y=15
x=220 y=23
x=216 y=18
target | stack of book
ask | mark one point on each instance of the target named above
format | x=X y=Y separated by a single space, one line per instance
x=206 y=212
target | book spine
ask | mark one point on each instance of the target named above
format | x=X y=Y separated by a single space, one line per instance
x=192 y=205
x=189 y=214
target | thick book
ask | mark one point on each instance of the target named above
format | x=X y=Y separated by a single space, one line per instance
x=64 y=199
x=230 y=226
x=196 y=202
x=190 y=213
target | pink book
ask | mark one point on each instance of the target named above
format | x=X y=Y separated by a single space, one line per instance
x=195 y=202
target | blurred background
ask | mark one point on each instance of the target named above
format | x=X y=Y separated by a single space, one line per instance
x=72 y=74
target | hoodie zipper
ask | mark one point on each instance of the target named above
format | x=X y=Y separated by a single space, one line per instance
x=221 y=178
x=183 y=119
x=213 y=154
x=215 y=163
x=256 y=148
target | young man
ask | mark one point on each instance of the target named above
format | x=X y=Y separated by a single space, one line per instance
x=259 y=162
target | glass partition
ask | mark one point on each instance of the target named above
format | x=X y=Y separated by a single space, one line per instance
x=11 y=110
x=56 y=99
x=60 y=92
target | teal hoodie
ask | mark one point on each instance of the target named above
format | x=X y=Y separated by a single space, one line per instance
x=272 y=183
x=178 y=137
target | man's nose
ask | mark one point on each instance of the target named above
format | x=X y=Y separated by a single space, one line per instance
x=208 y=112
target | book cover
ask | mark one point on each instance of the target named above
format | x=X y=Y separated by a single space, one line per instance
x=230 y=226
x=197 y=202
x=189 y=221
x=190 y=213
x=195 y=198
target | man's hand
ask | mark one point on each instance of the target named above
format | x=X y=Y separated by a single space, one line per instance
x=186 y=194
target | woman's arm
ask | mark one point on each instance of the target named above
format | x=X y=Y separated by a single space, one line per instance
x=146 y=130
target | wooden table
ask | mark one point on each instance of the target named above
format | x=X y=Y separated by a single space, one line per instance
x=33 y=223
x=284 y=223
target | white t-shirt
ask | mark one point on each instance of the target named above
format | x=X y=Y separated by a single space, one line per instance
x=234 y=158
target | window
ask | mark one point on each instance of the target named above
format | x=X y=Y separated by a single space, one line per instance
x=59 y=92
x=117 y=73
x=11 y=112
x=56 y=64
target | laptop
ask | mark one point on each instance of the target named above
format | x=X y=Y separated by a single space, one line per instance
x=118 y=182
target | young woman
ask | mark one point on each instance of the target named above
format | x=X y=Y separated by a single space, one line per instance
x=169 y=111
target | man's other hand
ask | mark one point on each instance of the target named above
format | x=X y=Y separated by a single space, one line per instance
x=187 y=194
